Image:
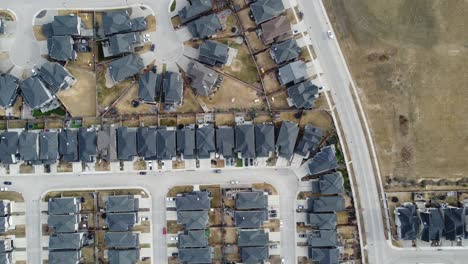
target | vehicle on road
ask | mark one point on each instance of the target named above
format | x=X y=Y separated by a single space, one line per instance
x=234 y=182
x=153 y=46
x=330 y=35
x=7 y=182
x=142 y=173
x=217 y=171
x=164 y=231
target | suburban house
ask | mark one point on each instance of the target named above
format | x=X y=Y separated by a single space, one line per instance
x=27 y=147
x=173 y=90
x=196 y=8
x=126 y=143
x=6 y=248
x=120 y=22
x=125 y=67
x=252 y=255
x=250 y=219
x=205 y=26
x=407 y=221
x=128 y=256
x=56 y=77
x=61 y=48
x=324 y=221
x=331 y=183
x=195 y=255
x=194 y=201
x=9 y=147
x=292 y=73
x=64 y=205
x=202 y=78
x=36 y=95
x=65 y=256
x=454 y=222
x=67 y=223
x=245 y=140
x=275 y=30
x=205 y=142
x=286 y=141
x=5 y=207
x=324 y=255
x=107 y=143
x=121 y=240
x=251 y=200
x=121 y=203
x=9 y=89
x=325 y=204
x=193 y=220
x=66 y=241
x=264 y=10
x=323 y=161
x=225 y=141
x=146 y=143
x=67 y=25
x=303 y=95
x=147 y=86
x=87 y=147
x=68 y=145
x=121 y=43
x=48 y=147
x=264 y=140
x=310 y=141
x=165 y=143
x=322 y=238
x=285 y=51
x=186 y=143
x=193 y=239
x=213 y=53
x=433 y=225
x=121 y=222
x=253 y=244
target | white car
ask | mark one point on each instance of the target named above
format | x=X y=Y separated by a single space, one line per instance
x=3 y=189
x=174 y=238
x=234 y=182
x=330 y=35
x=147 y=35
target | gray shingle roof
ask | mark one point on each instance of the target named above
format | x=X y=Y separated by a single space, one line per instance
x=63 y=223
x=322 y=221
x=310 y=140
x=285 y=51
x=205 y=141
x=71 y=241
x=173 y=88
x=125 y=67
x=5 y=207
x=263 y=10
x=165 y=143
x=251 y=200
x=122 y=43
x=35 y=93
x=55 y=76
x=195 y=255
x=121 y=240
x=191 y=11
x=120 y=22
x=8 y=147
x=68 y=145
x=61 y=48
x=193 y=239
x=5 y=223
x=303 y=95
x=121 y=221
x=126 y=144
x=322 y=238
x=65 y=25
x=63 y=205
x=186 y=142
x=253 y=255
x=293 y=72
x=433 y=224
x=193 y=201
x=287 y=139
x=213 y=53
x=128 y=256
x=202 y=78
x=264 y=140
x=329 y=184
x=324 y=255
x=205 y=26
x=193 y=219
x=250 y=219
x=87 y=144
x=48 y=147
x=251 y=238
x=453 y=222
x=323 y=161
x=107 y=143
x=146 y=142
x=9 y=87
x=121 y=203
x=147 y=86
x=225 y=141
x=245 y=140
x=27 y=146
x=325 y=204
x=407 y=221
x=64 y=257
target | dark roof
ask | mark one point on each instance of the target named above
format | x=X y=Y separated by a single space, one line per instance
x=310 y=140
x=287 y=139
x=193 y=201
x=278 y=29
x=322 y=238
x=205 y=140
x=126 y=144
x=87 y=144
x=63 y=223
x=125 y=67
x=251 y=238
x=195 y=255
x=61 y=241
x=147 y=86
x=35 y=93
x=264 y=139
x=193 y=239
x=202 y=78
x=122 y=43
x=433 y=224
x=107 y=143
x=322 y=221
x=253 y=255
x=63 y=205
x=68 y=145
x=146 y=142
x=193 y=219
x=325 y=204
x=285 y=51
x=251 y=200
x=323 y=161
x=407 y=221
x=9 y=86
x=294 y=72
x=329 y=184
x=121 y=240
x=250 y=219
x=65 y=25
x=121 y=203
x=27 y=146
x=127 y=256
x=64 y=257
x=48 y=147
x=205 y=26
x=165 y=143
x=173 y=88
x=198 y=7
x=55 y=76
x=121 y=221
x=8 y=147
x=303 y=95
x=263 y=10
x=61 y=48
x=186 y=142
x=324 y=255
x=225 y=141
x=213 y=53
x=119 y=22
x=245 y=140
x=453 y=220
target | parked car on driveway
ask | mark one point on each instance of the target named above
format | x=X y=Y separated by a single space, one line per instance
x=7 y=182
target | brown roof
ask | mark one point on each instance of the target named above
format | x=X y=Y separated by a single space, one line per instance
x=279 y=27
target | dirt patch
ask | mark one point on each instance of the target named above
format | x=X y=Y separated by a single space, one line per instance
x=106 y=96
x=124 y=105
x=245 y=20
x=80 y=100
x=278 y=101
x=243 y=65
x=38 y=33
x=224 y=119
x=271 y=83
x=24 y=168
x=12 y=196
x=262 y=118
x=84 y=61
x=317 y=118
x=400 y=54
x=190 y=103
x=256 y=44
x=186 y=119
x=151 y=23
x=7 y=15
x=265 y=61
x=179 y=189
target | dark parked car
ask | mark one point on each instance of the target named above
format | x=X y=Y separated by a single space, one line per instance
x=153 y=46
x=7 y=182
x=142 y=173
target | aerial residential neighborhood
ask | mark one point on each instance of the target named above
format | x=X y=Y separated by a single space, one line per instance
x=225 y=131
